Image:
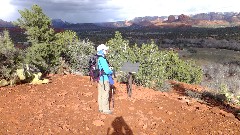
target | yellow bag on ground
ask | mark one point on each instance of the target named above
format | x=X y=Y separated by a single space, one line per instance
x=3 y=82
x=36 y=79
x=20 y=74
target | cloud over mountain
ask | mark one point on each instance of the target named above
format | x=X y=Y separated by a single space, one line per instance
x=92 y=11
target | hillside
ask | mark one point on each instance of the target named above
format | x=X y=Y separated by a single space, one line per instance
x=212 y=19
x=68 y=105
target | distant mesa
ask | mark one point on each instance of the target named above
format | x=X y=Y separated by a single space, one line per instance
x=171 y=19
x=183 y=18
x=58 y=23
x=211 y=19
x=5 y=23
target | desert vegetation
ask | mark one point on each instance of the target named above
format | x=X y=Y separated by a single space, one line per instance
x=51 y=52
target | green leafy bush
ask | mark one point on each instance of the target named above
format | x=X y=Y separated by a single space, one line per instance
x=77 y=56
x=44 y=56
x=155 y=66
x=10 y=57
x=44 y=52
x=118 y=51
x=37 y=25
x=151 y=71
x=48 y=56
x=184 y=71
x=76 y=53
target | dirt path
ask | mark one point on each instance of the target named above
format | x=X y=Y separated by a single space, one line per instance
x=68 y=105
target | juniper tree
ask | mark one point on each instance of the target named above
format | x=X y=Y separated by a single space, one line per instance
x=37 y=25
x=118 y=50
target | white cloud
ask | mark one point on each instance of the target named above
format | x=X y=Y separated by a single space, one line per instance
x=6 y=10
x=114 y=10
x=133 y=8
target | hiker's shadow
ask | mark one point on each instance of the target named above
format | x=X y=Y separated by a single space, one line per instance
x=120 y=127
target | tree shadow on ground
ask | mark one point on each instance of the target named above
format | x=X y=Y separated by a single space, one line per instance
x=211 y=99
x=120 y=127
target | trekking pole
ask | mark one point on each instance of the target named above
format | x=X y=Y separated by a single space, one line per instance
x=112 y=88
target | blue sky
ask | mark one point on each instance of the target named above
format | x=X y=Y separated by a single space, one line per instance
x=90 y=11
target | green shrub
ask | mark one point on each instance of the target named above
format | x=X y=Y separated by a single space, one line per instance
x=10 y=57
x=48 y=57
x=44 y=56
x=77 y=56
x=37 y=25
x=155 y=66
x=238 y=98
x=180 y=70
x=118 y=51
x=75 y=53
x=151 y=71
x=225 y=91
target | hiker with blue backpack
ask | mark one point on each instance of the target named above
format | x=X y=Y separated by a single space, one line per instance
x=105 y=79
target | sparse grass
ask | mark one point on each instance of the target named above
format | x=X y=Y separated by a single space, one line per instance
x=210 y=55
x=221 y=71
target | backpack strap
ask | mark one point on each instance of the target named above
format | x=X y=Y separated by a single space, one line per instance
x=102 y=71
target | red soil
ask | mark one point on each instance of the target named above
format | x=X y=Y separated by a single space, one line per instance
x=68 y=105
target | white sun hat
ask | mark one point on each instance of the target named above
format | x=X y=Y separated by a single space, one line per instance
x=102 y=47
